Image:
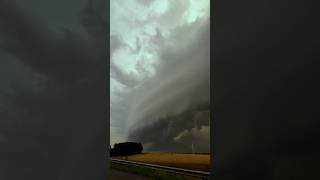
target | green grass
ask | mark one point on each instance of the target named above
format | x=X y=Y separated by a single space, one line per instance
x=151 y=173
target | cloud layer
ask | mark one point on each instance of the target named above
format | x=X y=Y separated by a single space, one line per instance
x=170 y=99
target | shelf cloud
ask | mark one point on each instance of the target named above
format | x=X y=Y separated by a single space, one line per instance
x=175 y=95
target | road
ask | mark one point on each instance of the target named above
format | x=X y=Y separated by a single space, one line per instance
x=119 y=175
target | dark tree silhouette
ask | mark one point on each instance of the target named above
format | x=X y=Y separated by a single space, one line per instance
x=126 y=148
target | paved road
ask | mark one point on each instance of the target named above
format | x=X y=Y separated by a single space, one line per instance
x=119 y=175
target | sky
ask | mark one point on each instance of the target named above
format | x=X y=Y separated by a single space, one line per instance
x=53 y=84
x=53 y=88
x=160 y=74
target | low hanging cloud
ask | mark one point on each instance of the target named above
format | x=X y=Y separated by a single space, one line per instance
x=167 y=103
x=199 y=138
x=168 y=89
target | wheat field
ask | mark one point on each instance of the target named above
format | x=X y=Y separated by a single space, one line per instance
x=187 y=161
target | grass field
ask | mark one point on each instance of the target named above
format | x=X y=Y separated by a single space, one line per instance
x=151 y=173
x=187 y=161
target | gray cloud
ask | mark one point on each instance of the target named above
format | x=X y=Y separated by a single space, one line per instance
x=174 y=15
x=138 y=45
x=166 y=104
x=145 y=2
x=128 y=79
x=199 y=137
x=116 y=43
x=162 y=133
x=168 y=86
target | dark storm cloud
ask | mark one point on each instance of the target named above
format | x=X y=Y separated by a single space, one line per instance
x=53 y=99
x=166 y=104
x=177 y=133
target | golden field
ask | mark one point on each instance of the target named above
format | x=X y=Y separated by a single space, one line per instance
x=187 y=161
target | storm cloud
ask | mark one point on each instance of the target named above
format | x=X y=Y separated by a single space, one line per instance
x=170 y=99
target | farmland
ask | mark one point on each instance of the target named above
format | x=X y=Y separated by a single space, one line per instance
x=188 y=161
